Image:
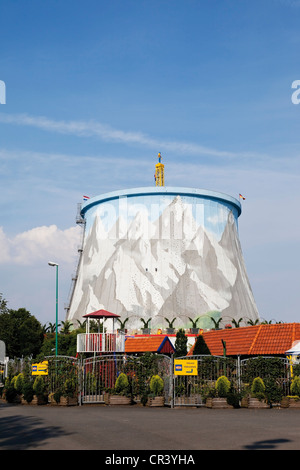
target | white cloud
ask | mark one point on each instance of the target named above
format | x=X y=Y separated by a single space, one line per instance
x=40 y=244
x=107 y=133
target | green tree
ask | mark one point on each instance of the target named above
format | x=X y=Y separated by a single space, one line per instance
x=295 y=386
x=180 y=343
x=66 y=344
x=66 y=327
x=51 y=328
x=3 y=305
x=21 y=332
x=201 y=346
x=222 y=386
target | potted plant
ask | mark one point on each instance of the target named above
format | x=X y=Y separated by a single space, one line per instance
x=146 y=329
x=39 y=397
x=156 y=386
x=121 y=392
x=54 y=397
x=293 y=400
x=219 y=398
x=27 y=392
x=122 y=325
x=9 y=391
x=18 y=382
x=68 y=395
x=194 y=328
x=170 y=329
x=257 y=397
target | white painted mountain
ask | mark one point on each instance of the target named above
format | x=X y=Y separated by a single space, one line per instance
x=171 y=267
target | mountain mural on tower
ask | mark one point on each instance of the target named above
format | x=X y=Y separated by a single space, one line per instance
x=164 y=268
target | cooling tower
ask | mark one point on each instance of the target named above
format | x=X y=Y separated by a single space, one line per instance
x=162 y=253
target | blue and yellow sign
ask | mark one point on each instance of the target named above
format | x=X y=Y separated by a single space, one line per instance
x=41 y=368
x=185 y=367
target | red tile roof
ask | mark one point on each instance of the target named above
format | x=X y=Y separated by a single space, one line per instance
x=252 y=340
x=101 y=314
x=152 y=343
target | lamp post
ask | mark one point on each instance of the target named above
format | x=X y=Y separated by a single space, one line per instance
x=56 y=317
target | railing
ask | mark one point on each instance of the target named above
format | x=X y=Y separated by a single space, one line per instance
x=101 y=342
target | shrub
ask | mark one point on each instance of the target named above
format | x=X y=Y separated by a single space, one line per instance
x=28 y=392
x=258 y=388
x=295 y=386
x=156 y=385
x=18 y=383
x=10 y=394
x=273 y=391
x=69 y=388
x=56 y=395
x=39 y=386
x=222 y=386
x=122 y=384
x=234 y=397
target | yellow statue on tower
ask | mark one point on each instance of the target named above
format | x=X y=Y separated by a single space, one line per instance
x=159 y=172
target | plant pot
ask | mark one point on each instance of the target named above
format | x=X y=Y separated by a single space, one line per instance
x=118 y=400
x=106 y=397
x=52 y=402
x=156 y=401
x=244 y=402
x=289 y=402
x=39 y=400
x=191 y=400
x=218 y=403
x=146 y=331
x=257 y=403
x=68 y=401
x=170 y=331
x=23 y=401
x=194 y=331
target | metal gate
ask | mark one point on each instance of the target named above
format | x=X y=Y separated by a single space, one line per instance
x=278 y=369
x=191 y=390
x=63 y=374
x=91 y=379
x=99 y=375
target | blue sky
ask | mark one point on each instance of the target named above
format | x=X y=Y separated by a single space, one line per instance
x=94 y=90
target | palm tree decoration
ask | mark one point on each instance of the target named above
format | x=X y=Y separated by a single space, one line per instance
x=236 y=322
x=194 y=322
x=216 y=322
x=146 y=323
x=123 y=323
x=170 y=322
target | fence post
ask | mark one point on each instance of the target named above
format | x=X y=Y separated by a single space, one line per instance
x=239 y=372
x=80 y=380
x=172 y=380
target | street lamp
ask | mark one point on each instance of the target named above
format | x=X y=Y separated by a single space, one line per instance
x=56 y=319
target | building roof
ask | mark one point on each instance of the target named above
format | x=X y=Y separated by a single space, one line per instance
x=252 y=340
x=151 y=343
x=101 y=314
x=164 y=191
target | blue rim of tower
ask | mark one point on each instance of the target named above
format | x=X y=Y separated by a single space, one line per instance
x=162 y=190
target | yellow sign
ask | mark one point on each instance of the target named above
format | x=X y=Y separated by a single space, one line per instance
x=185 y=367
x=41 y=368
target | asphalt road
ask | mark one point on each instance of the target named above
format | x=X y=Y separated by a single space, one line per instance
x=118 y=428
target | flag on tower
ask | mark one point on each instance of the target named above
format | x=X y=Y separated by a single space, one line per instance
x=242 y=197
x=85 y=198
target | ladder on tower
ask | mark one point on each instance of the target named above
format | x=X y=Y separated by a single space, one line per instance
x=81 y=222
